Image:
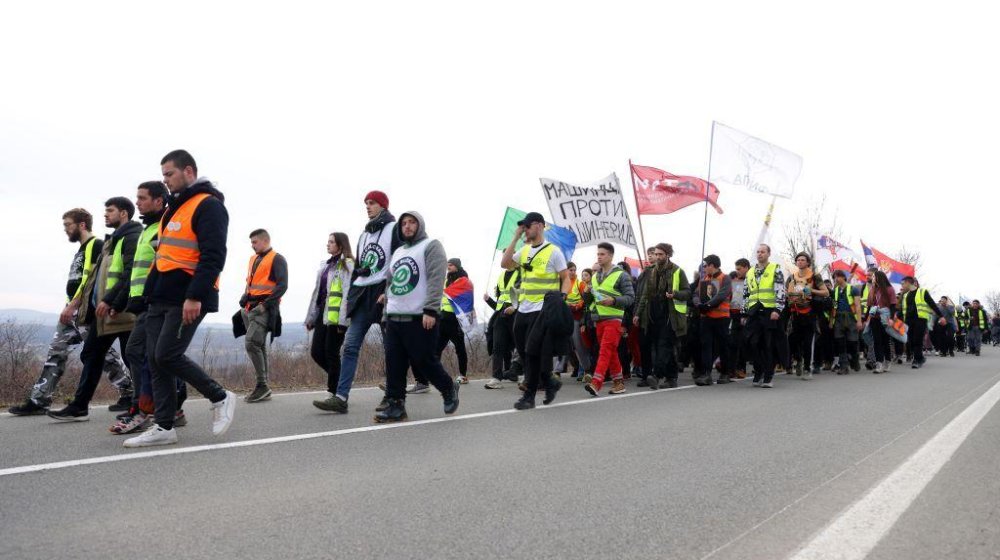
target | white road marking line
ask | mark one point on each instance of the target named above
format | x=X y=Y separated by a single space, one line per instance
x=856 y=532
x=314 y=435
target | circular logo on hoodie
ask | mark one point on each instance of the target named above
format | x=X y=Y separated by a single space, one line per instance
x=373 y=258
x=405 y=276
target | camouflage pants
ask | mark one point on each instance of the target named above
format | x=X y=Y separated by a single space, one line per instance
x=64 y=340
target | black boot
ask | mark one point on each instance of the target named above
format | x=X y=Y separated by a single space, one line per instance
x=551 y=390
x=395 y=412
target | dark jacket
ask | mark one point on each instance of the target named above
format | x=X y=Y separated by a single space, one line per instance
x=211 y=225
x=653 y=298
x=128 y=235
x=137 y=304
x=551 y=334
x=362 y=296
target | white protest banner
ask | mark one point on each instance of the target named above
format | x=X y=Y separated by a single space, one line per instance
x=741 y=160
x=595 y=212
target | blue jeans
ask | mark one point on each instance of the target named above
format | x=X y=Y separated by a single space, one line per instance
x=361 y=320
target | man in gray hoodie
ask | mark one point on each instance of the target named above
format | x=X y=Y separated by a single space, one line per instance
x=412 y=302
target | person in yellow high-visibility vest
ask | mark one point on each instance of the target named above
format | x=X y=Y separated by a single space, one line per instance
x=764 y=300
x=325 y=317
x=917 y=307
x=543 y=271
x=613 y=294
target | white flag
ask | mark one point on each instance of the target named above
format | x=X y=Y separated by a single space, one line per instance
x=595 y=212
x=741 y=160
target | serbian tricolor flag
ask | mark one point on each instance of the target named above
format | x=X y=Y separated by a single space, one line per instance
x=635 y=266
x=831 y=253
x=462 y=299
x=892 y=268
x=661 y=192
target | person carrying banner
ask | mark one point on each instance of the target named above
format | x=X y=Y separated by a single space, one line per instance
x=375 y=245
x=712 y=301
x=450 y=329
x=613 y=293
x=412 y=302
x=662 y=314
x=501 y=327
x=267 y=281
x=764 y=297
x=325 y=316
x=802 y=286
x=916 y=309
x=543 y=271
x=978 y=322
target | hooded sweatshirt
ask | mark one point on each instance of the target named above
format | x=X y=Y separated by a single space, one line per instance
x=210 y=223
x=417 y=272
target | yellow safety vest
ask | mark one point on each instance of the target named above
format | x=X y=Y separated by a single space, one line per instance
x=762 y=293
x=535 y=283
x=607 y=289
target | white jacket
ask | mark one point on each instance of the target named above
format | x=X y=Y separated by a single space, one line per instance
x=345 y=268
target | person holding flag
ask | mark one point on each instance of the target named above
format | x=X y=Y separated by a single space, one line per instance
x=457 y=291
x=543 y=271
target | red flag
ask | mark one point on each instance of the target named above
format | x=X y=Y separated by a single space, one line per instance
x=660 y=192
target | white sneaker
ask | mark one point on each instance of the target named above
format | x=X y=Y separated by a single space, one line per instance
x=418 y=388
x=768 y=385
x=222 y=414
x=494 y=383
x=878 y=368
x=155 y=435
x=462 y=380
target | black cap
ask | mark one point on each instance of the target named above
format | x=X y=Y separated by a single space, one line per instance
x=530 y=218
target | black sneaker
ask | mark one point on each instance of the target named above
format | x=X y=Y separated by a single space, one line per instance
x=672 y=382
x=28 y=408
x=524 y=404
x=69 y=414
x=332 y=404
x=514 y=372
x=644 y=382
x=384 y=404
x=550 y=392
x=451 y=401
x=123 y=404
x=653 y=382
x=723 y=379
x=395 y=412
x=260 y=393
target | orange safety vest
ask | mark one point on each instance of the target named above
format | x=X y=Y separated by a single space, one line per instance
x=259 y=284
x=722 y=311
x=178 y=245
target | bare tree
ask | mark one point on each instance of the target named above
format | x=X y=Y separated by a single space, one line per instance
x=15 y=344
x=818 y=217
x=911 y=257
x=993 y=302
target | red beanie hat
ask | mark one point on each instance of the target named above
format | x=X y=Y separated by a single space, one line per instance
x=378 y=196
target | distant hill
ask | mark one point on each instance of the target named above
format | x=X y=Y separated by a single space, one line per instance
x=29 y=316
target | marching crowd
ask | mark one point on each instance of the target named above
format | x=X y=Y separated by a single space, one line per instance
x=150 y=283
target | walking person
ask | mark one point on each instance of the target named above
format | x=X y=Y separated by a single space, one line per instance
x=501 y=328
x=613 y=293
x=375 y=245
x=916 y=309
x=881 y=306
x=662 y=315
x=712 y=301
x=267 y=281
x=412 y=308
x=846 y=323
x=325 y=317
x=764 y=297
x=737 y=344
x=450 y=329
x=995 y=329
x=803 y=285
x=978 y=322
x=962 y=320
x=945 y=334
x=580 y=356
x=77 y=225
x=104 y=300
x=543 y=271
x=182 y=288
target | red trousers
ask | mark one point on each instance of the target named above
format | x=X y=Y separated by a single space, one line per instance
x=608 y=335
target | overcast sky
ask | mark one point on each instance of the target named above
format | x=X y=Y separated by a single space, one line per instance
x=456 y=109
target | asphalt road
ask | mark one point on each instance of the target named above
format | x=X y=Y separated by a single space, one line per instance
x=697 y=472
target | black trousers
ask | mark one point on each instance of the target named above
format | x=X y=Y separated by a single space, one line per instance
x=802 y=337
x=714 y=342
x=536 y=372
x=781 y=351
x=760 y=333
x=167 y=339
x=409 y=344
x=880 y=339
x=916 y=329
x=327 y=341
x=662 y=340
x=92 y=356
x=503 y=344
x=737 y=345
x=451 y=331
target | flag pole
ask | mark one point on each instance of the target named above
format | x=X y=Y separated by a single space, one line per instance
x=494 y=261
x=708 y=190
x=767 y=224
x=638 y=214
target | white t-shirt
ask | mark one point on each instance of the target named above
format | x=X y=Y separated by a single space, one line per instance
x=556 y=264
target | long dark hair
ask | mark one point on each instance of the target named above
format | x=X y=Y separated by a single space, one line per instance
x=344 y=243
